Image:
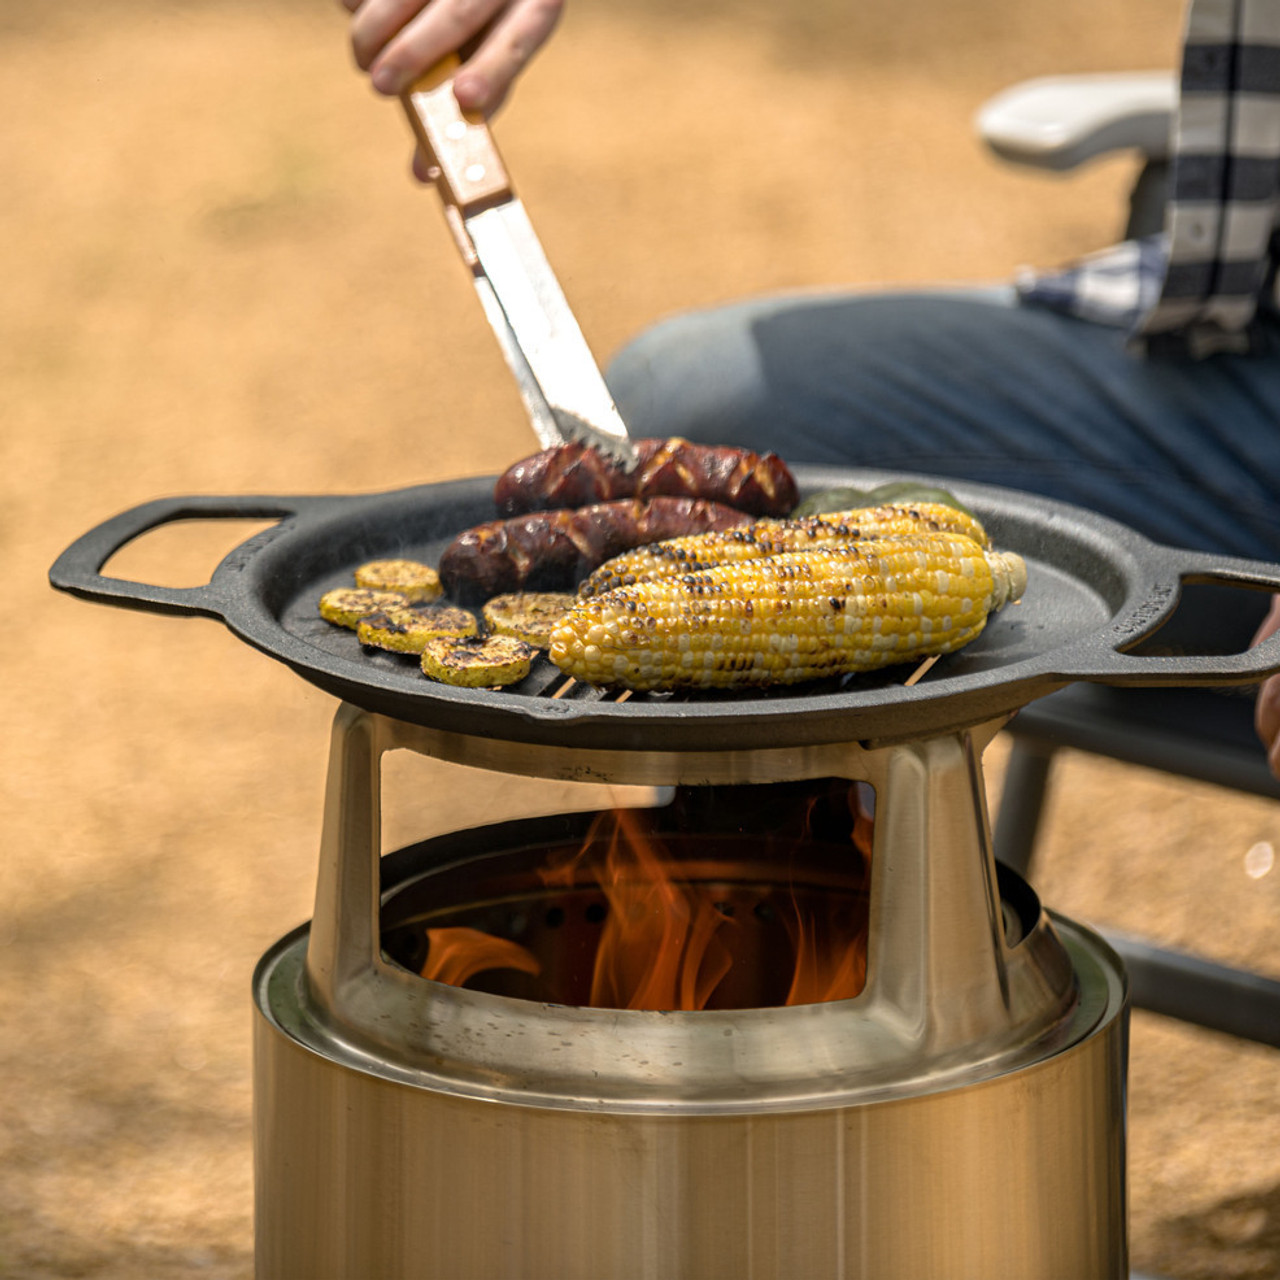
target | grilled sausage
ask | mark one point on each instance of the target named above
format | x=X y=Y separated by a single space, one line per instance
x=554 y=550
x=573 y=475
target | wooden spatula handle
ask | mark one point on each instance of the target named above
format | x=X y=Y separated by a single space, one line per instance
x=459 y=144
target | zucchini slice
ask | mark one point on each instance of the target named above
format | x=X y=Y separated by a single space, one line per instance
x=528 y=615
x=345 y=606
x=478 y=661
x=407 y=628
x=416 y=581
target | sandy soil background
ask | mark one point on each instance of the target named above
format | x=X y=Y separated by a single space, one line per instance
x=217 y=277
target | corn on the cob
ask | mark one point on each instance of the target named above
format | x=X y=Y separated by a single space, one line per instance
x=700 y=551
x=791 y=617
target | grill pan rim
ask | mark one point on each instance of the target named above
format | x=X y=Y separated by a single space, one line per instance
x=252 y=588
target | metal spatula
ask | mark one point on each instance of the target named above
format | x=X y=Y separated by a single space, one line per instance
x=560 y=383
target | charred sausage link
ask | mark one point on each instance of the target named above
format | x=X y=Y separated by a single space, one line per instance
x=555 y=550
x=573 y=475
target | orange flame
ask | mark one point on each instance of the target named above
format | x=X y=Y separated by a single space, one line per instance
x=826 y=969
x=665 y=943
x=454 y=955
x=831 y=965
x=659 y=948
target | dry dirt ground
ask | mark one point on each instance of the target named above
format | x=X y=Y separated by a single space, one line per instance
x=217 y=277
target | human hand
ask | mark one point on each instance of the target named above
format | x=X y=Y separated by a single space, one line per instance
x=1266 y=713
x=397 y=40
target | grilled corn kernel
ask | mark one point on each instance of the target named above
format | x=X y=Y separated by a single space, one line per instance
x=700 y=551
x=790 y=617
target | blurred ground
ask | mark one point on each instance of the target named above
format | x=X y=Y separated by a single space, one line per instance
x=217 y=277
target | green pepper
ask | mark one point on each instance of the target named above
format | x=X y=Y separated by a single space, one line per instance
x=898 y=492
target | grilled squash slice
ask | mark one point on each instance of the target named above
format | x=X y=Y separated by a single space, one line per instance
x=528 y=615
x=345 y=606
x=478 y=661
x=407 y=628
x=415 y=581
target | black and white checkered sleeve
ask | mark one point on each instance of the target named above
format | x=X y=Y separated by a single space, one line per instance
x=1196 y=289
x=1225 y=177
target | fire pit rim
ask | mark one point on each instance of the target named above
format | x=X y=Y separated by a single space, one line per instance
x=662 y=1087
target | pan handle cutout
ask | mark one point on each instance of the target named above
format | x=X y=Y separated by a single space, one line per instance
x=1189 y=630
x=78 y=570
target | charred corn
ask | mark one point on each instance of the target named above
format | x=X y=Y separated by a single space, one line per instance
x=897 y=519
x=701 y=551
x=787 y=618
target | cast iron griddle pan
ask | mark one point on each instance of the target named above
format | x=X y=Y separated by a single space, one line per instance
x=1095 y=590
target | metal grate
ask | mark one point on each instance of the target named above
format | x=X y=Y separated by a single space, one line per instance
x=546 y=680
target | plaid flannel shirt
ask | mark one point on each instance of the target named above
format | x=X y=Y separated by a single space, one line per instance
x=1198 y=287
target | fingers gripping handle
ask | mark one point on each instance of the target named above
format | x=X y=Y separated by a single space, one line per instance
x=78 y=570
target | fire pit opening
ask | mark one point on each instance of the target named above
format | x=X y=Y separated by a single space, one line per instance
x=732 y=897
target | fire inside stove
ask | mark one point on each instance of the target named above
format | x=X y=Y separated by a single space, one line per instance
x=731 y=898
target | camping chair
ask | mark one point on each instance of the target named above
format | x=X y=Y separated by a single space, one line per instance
x=1058 y=123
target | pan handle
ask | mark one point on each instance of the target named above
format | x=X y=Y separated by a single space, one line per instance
x=78 y=569
x=1107 y=664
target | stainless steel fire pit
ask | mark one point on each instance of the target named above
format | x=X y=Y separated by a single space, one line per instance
x=962 y=1116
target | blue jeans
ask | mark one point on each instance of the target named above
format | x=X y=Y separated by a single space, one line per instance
x=967 y=384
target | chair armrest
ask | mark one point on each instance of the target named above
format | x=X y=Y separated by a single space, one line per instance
x=1059 y=122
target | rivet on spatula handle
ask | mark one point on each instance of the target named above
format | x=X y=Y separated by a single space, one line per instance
x=457 y=143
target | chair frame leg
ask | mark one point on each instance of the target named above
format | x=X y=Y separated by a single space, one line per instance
x=1233 y=1001
x=1172 y=983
